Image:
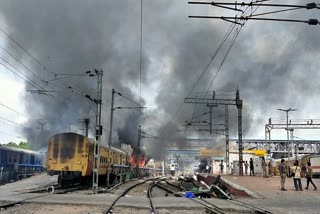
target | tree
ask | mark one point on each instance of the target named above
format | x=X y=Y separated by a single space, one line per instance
x=12 y=144
x=24 y=145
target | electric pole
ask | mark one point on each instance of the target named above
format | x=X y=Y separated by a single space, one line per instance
x=98 y=133
x=110 y=134
x=226 y=102
x=139 y=137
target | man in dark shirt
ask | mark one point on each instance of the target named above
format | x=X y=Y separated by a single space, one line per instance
x=282 y=170
x=251 y=167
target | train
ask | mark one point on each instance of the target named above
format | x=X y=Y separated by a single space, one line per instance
x=17 y=163
x=302 y=160
x=71 y=157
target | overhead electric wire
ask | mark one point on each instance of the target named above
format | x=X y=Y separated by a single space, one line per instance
x=27 y=52
x=4 y=133
x=15 y=58
x=13 y=122
x=232 y=43
x=14 y=110
x=230 y=47
x=228 y=18
x=207 y=66
x=28 y=69
x=120 y=94
x=35 y=83
x=140 y=49
x=272 y=12
x=224 y=58
x=65 y=85
x=259 y=4
x=36 y=60
x=231 y=28
x=30 y=83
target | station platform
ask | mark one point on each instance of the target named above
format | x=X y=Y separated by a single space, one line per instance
x=265 y=192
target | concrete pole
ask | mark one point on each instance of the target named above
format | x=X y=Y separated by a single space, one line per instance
x=163 y=168
x=98 y=130
x=287 y=114
x=1 y=169
x=227 y=136
x=110 y=135
x=86 y=122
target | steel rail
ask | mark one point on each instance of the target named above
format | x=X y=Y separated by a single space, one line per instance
x=210 y=207
x=256 y=209
x=153 y=209
x=59 y=191
x=109 y=209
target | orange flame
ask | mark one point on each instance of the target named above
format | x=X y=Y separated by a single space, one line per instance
x=137 y=160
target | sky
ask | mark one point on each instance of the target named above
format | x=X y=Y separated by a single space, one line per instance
x=273 y=64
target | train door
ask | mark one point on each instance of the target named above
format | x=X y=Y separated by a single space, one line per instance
x=21 y=158
x=3 y=157
x=32 y=159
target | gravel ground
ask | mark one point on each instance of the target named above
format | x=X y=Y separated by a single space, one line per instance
x=160 y=211
x=31 y=208
x=182 y=211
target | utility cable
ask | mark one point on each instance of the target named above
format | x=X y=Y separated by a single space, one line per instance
x=30 y=83
x=128 y=99
x=13 y=122
x=27 y=52
x=207 y=66
x=4 y=133
x=272 y=12
x=224 y=58
x=140 y=49
x=236 y=35
x=14 y=110
x=34 y=83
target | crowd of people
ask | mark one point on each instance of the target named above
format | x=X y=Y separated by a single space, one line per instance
x=296 y=172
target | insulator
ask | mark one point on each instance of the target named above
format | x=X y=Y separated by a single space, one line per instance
x=313 y=22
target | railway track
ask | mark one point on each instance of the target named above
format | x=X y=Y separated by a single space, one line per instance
x=149 y=194
x=55 y=189
x=215 y=209
x=109 y=210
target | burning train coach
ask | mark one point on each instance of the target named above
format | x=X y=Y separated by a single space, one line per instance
x=71 y=156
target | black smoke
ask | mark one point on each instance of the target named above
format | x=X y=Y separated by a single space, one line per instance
x=273 y=64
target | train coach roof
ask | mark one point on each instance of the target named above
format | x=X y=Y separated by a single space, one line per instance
x=14 y=149
x=118 y=150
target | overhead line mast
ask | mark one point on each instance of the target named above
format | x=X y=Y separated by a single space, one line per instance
x=98 y=133
x=226 y=102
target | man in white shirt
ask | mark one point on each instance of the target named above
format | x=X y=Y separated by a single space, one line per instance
x=296 y=178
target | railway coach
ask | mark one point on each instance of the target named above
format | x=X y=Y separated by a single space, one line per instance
x=17 y=163
x=71 y=156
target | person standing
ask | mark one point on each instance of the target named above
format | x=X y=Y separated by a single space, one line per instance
x=282 y=170
x=303 y=171
x=296 y=170
x=251 y=167
x=221 y=168
x=231 y=169
x=264 y=167
x=246 y=167
x=309 y=176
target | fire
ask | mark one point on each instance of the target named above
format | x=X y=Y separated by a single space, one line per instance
x=137 y=160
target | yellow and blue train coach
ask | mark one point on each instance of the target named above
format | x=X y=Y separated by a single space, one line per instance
x=71 y=156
